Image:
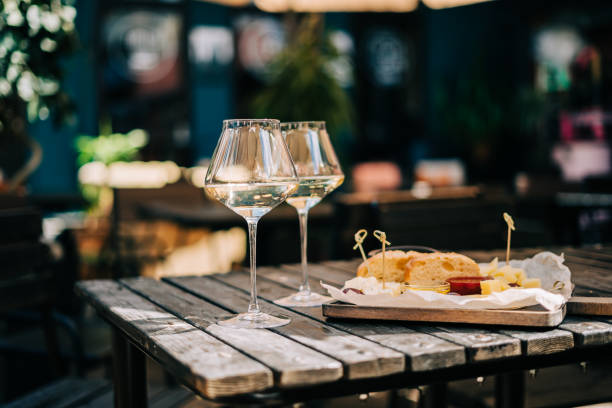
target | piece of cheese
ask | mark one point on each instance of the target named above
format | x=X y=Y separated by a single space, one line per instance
x=490 y=268
x=489 y=286
x=396 y=291
x=506 y=273
x=531 y=283
x=520 y=275
x=504 y=285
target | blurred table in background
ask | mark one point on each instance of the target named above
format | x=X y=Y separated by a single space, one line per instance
x=278 y=231
x=442 y=218
x=588 y=215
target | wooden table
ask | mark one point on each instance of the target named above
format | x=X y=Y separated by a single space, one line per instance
x=172 y=321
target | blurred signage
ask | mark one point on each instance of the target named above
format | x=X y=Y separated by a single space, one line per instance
x=211 y=46
x=555 y=48
x=260 y=39
x=588 y=124
x=142 y=47
x=342 y=66
x=387 y=57
x=579 y=160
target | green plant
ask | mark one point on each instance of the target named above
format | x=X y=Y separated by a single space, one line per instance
x=110 y=148
x=489 y=124
x=301 y=85
x=34 y=37
x=106 y=149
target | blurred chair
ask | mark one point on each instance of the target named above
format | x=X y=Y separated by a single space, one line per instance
x=153 y=233
x=133 y=241
x=376 y=176
x=29 y=289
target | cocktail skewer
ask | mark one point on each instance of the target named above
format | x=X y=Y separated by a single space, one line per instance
x=511 y=228
x=382 y=237
x=359 y=237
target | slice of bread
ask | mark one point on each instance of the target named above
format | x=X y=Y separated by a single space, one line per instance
x=439 y=266
x=395 y=263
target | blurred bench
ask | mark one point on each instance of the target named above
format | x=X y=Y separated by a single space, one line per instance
x=64 y=393
x=74 y=392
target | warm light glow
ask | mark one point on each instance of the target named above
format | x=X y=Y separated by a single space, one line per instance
x=197 y=175
x=320 y=6
x=440 y=4
x=231 y=3
x=135 y=174
x=275 y=6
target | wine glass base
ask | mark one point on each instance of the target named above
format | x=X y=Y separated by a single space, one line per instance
x=252 y=321
x=302 y=299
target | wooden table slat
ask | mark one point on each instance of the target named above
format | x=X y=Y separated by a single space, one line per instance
x=480 y=344
x=594 y=305
x=295 y=365
x=588 y=332
x=361 y=358
x=202 y=361
x=424 y=352
x=542 y=342
x=591 y=253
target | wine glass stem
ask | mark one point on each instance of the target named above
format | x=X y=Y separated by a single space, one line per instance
x=303 y=217
x=253 y=304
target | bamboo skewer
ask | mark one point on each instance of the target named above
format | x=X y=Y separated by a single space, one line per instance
x=511 y=228
x=359 y=237
x=382 y=237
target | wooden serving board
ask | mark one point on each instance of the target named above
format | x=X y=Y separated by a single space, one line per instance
x=583 y=305
x=533 y=316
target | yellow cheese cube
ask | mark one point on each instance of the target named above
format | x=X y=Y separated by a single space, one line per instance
x=506 y=273
x=489 y=286
x=490 y=268
x=531 y=283
x=520 y=275
x=504 y=285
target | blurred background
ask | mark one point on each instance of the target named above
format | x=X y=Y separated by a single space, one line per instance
x=444 y=114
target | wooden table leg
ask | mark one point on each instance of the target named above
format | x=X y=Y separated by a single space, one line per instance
x=129 y=373
x=435 y=396
x=510 y=390
x=57 y=364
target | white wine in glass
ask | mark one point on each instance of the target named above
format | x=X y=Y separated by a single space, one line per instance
x=319 y=172
x=251 y=172
x=311 y=190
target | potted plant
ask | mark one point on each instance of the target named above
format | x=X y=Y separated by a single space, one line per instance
x=301 y=83
x=35 y=35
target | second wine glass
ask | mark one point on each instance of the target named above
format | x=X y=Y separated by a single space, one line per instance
x=319 y=174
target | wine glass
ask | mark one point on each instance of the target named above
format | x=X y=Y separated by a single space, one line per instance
x=319 y=174
x=251 y=172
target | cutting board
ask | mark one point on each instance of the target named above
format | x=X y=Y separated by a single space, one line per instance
x=533 y=316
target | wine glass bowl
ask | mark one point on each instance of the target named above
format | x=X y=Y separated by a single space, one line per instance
x=319 y=174
x=251 y=172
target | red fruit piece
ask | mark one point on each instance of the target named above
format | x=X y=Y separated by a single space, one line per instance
x=467 y=285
